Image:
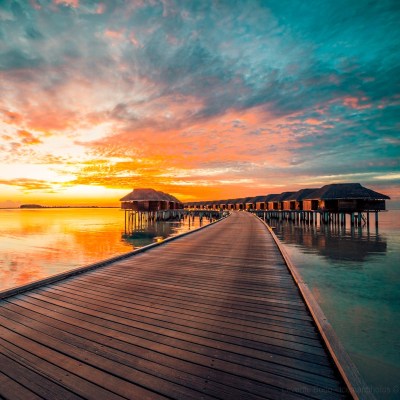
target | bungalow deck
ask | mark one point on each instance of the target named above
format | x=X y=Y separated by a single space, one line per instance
x=215 y=314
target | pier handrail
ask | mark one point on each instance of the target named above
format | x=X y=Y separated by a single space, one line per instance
x=349 y=372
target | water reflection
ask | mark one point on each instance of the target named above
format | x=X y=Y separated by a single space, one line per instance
x=333 y=242
x=155 y=231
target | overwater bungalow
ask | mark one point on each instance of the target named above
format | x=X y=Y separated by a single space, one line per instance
x=251 y=203
x=282 y=198
x=213 y=205
x=258 y=202
x=273 y=202
x=295 y=201
x=146 y=200
x=222 y=204
x=241 y=203
x=269 y=199
x=230 y=204
x=276 y=202
x=345 y=197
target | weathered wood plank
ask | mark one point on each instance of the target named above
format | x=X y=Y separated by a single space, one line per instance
x=162 y=354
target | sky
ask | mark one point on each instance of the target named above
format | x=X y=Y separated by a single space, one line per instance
x=200 y=99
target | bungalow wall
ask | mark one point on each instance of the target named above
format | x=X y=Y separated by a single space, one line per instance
x=296 y=205
x=288 y=205
x=309 y=205
x=273 y=205
x=250 y=206
x=261 y=206
x=351 y=205
x=142 y=205
x=373 y=205
x=128 y=205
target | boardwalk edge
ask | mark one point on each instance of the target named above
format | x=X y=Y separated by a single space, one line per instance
x=348 y=370
x=99 y=264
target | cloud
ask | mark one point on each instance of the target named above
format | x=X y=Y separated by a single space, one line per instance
x=27 y=138
x=29 y=184
x=72 y=3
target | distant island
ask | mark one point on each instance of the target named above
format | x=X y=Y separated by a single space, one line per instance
x=30 y=206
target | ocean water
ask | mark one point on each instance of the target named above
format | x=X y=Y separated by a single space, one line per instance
x=355 y=276
x=37 y=243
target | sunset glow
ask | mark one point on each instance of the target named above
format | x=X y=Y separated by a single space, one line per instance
x=200 y=99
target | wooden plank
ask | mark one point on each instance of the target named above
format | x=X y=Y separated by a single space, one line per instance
x=12 y=390
x=210 y=307
x=71 y=379
x=125 y=288
x=190 y=333
x=177 y=313
x=112 y=375
x=191 y=343
x=31 y=380
x=175 y=374
x=175 y=347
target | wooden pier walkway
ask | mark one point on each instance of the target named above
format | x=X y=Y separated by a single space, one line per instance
x=212 y=315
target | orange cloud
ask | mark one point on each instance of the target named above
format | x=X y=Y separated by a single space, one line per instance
x=28 y=138
x=11 y=117
x=116 y=35
x=72 y=3
x=312 y=121
x=354 y=102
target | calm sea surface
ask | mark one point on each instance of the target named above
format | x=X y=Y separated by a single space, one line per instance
x=36 y=243
x=353 y=273
x=355 y=276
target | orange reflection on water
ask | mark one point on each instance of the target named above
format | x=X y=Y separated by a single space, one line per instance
x=37 y=243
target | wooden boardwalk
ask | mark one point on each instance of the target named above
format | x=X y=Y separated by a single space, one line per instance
x=214 y=314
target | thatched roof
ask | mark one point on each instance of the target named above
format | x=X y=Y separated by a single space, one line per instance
x=248 y=200
x=301 y=194
x=259 y=199
x=283 y=196
x=141 y=194
x=230 y=201
x=272 y=197
x=345 y=191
